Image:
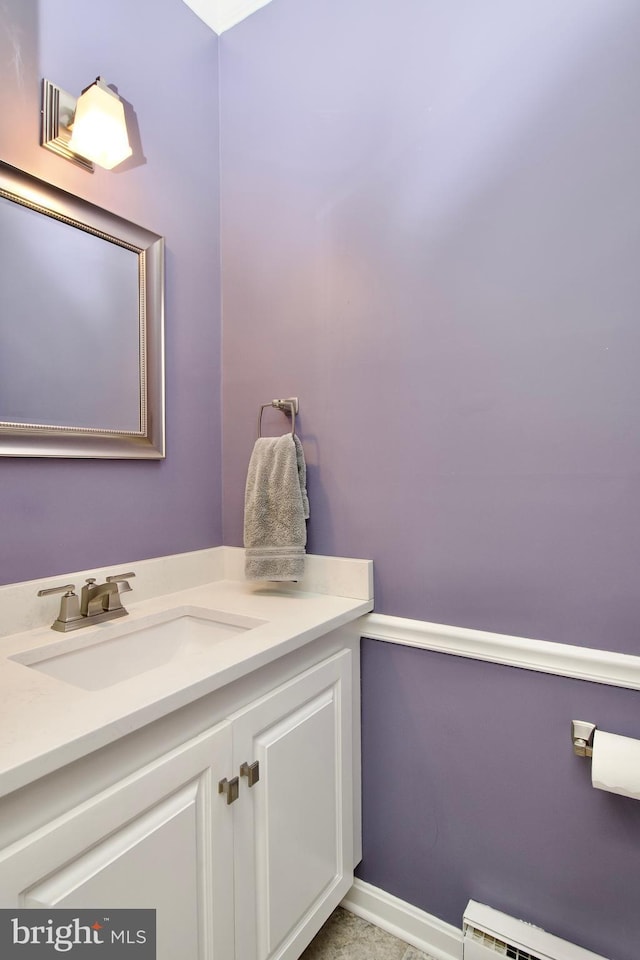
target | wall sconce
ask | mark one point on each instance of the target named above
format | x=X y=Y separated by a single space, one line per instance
x=91 y=129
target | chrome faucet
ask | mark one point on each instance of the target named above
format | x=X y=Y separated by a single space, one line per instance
x=97 y=602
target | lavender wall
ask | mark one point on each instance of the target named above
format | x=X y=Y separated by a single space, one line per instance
x=429 y=233
x=472 y=791
x=64 y=515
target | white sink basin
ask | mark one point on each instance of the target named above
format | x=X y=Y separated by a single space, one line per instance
x=132 y=648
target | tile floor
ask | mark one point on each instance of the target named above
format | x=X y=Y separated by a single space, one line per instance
x=347 y=937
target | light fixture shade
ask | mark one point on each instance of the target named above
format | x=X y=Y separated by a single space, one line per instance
x=99 y=130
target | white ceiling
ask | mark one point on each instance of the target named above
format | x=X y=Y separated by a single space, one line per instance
x=222 y=14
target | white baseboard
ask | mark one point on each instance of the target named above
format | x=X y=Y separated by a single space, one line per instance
x=433 y=936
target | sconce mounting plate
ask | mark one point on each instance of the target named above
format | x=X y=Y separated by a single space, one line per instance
x=58 y=109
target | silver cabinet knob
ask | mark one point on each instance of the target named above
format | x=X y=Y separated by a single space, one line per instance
x=230 y=788
x=251 y=771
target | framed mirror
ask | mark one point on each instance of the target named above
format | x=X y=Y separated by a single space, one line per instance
x=81 y=327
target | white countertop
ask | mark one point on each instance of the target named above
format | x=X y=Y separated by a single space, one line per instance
x=46 y=723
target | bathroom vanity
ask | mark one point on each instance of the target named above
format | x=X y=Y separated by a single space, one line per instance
x=220 y=788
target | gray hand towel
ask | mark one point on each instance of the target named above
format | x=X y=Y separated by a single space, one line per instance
x=275 y=510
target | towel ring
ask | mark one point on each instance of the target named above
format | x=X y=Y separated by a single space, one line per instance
x=289 y=407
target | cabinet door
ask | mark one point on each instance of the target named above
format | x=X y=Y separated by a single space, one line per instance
x=151 y=841
x=294 y=826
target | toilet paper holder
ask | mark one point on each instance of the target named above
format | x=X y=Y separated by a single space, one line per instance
x=582 y=736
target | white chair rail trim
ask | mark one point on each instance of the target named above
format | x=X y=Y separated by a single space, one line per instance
x=582 y=663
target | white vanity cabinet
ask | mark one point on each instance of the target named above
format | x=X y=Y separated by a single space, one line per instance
x=251 y=877
x=293 y=835
x=150 y=840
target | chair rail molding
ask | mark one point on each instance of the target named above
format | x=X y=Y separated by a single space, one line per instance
x=544 y=656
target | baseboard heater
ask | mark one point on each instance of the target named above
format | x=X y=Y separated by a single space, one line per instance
x=489 y=934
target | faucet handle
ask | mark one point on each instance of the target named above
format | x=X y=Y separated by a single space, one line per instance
x=122 y=578
x=67 y=590
x=69 y=606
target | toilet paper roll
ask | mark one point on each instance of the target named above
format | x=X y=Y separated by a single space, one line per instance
x=615 y=764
